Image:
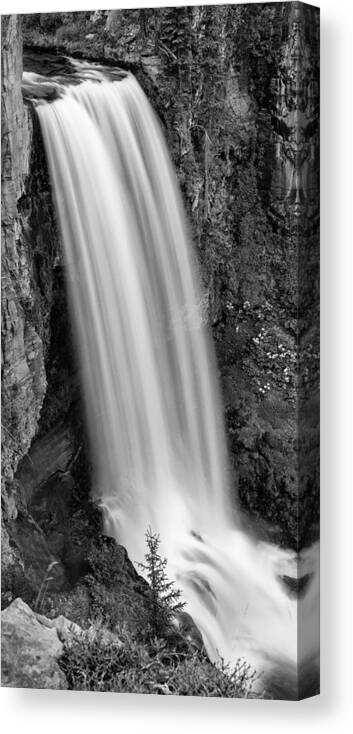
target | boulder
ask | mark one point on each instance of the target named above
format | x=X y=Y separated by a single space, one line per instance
x=65 y=628
x=29 y=650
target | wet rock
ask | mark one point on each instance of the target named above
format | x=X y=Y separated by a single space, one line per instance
x=11 y=501
x=296 y=588
x=29 y=542
x=24 y=381
x=29 y=650
x=49 y=455
x=56 y=543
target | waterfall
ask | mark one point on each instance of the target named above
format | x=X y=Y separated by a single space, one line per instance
x=149 y=375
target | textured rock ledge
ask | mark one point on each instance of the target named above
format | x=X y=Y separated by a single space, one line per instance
x=33 y=323
x=24 y=380
x=30 y=648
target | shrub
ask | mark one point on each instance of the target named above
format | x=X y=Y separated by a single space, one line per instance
x=117 y=606
x=100 y=661
x=162 y=598
x=94 y=660
x=197 y=676
x=73 y=604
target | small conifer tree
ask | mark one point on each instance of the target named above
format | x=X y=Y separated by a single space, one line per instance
x=162 y=597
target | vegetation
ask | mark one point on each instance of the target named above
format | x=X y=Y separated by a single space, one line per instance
x=138 y=650
x=96 y=661
x=162 y=600
x=44 y=587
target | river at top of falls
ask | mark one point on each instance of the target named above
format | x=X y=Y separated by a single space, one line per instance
x=149 y=375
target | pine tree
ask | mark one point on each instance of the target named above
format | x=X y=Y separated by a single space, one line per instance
x=162 y=598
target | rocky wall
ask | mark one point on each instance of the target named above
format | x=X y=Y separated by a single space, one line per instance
x=36 y=390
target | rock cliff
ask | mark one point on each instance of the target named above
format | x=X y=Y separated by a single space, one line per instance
x=31 y=360
x=24 y=379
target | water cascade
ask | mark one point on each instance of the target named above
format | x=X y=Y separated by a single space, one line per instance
x=149 y=375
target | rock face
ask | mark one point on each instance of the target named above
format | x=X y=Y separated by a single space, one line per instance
x=24 y=381
x=33 y=319
x=30 y=649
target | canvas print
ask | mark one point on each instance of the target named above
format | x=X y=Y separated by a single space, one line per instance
x=160 y=350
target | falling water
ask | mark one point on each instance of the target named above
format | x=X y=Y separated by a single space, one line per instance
x=148 y=369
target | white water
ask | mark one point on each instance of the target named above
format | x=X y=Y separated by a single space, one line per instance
x=148 y=370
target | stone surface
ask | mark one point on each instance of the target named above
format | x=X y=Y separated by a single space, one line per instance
x=28 y=540
x=24 y=381
x=49 y=455
x=37 y=384
x=65 y=628
x=29 y=650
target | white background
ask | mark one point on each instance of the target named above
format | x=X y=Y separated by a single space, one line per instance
x=62 y=711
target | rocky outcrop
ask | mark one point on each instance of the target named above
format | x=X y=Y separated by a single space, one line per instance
x=24 y=381
x=32 y=401
x=30 y=649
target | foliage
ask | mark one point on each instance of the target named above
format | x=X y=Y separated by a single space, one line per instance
x=106 y=559
x=132 y=645
x=162 y=599
x=44 y=587
x=110 y=589
x=73 y=604
x=116 y=606
x=97 y=661
x=195 y=675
